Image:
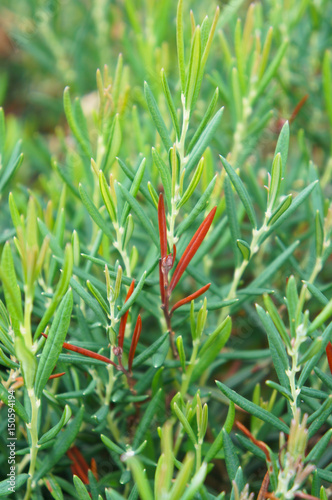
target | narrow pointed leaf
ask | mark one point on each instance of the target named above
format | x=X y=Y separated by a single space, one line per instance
x=134 y=341
x=53 y=345
x=140 y=214
x=203 y=142
x=192 y=248
x=255 y=410
x=190 y=297
x=241 y=191
x=156 y=117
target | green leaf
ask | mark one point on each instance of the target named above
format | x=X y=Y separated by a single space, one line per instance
x=80 y=488
x=11 y=288
x=106 y=195
x=253 y=409
x=270 y=71
x=185 y=424
x=314 y=348
x=237 y=95
x=274 y=187
x=292 y=303
x=182 y=479
x=212 y=347
x=75 y=128
x=200 y=205
x=113 y=145
x=312 y=363
x=218 y=442
x=170 y=103
x=146 y=420
x=89 y=301
x=112 y=446
x=280 y=210
x=52 y=433
x=165 y=176
x=19 y=409
x=275 y=316
x=98 y=296
x=244 y=249
x=250 y=446
x=149 y=351
x=12 y=166
x=54 y=341
x=27 y=360
x=321 y=318
x=327 y=379
x=277 y=348
x=181 y=351
x=195 y=484
x=280 y=389
x=319 y=233
x=94 y=212
x=20 y=480
x=194 y=63
x=231 y=458
x=320 y=417
x=134 y=189
x=133 y=296
x=180 y=44
x=320 y=447
x=156 y=117
x=282 y=146
x=140 y=478
x=241 y=191
x=327 y=84
x=140 y=214
x=207 y=116
x=326 y=475
x=193 y=183
x=203 y=142
x=62 y=444
x=232 y=219
x=271 y=269
x=60 y=290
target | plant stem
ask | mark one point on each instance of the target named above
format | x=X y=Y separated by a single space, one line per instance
x=186 y=377
x=33 y=429
x=238 y=272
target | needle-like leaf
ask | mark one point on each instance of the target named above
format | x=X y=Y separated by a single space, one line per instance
x=192 y=248
x=124 y=318
x=190 y=297
x=162 y=226
x=134 y=341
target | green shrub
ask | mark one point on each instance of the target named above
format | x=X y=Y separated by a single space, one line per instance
x=166 y=295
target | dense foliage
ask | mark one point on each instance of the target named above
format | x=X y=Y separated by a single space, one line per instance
x=165 y=313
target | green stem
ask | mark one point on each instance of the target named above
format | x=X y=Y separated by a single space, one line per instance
x=33 y=429
x=238 y=272
x=186 y=377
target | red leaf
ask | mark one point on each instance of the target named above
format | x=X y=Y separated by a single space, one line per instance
x=329 y=355
x=192 y=249
x=57 y=375
x=252 y=438
x=85 y=352
x=79 y=467
x=190 y=297
x=134 y=341
x=161 y=283
x=124 y=318
x=297 y=108
x=162 y=226
x=263 y=490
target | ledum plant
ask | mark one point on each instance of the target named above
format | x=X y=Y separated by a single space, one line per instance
x=166 y=300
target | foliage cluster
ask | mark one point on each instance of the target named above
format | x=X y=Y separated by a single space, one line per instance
x=165 y=312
